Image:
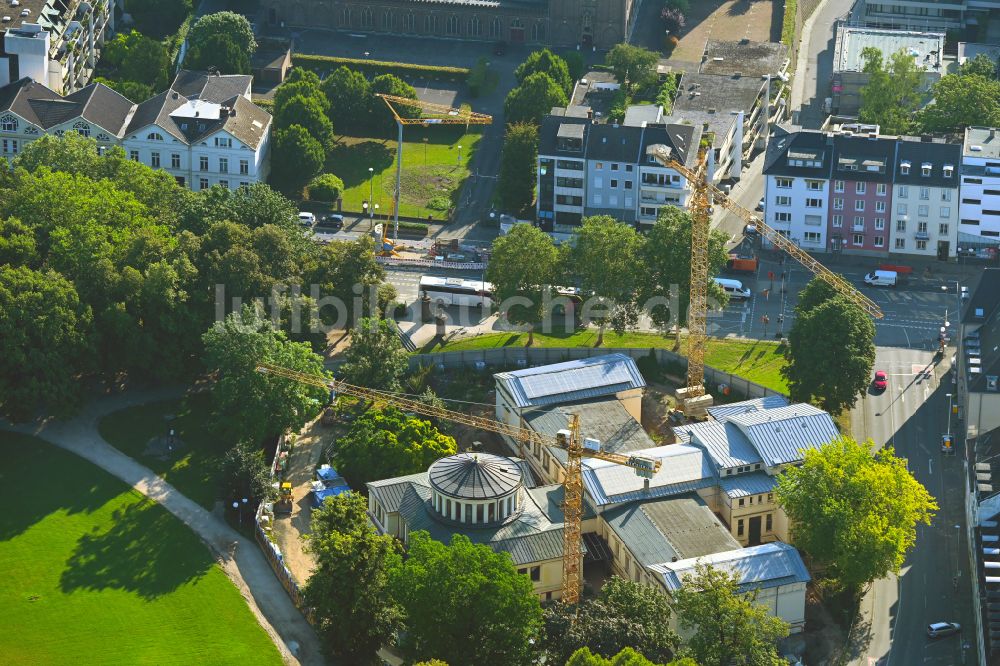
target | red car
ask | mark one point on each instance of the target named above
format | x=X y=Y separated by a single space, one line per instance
x=881 y=381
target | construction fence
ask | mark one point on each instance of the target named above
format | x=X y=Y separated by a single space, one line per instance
x=507 y=358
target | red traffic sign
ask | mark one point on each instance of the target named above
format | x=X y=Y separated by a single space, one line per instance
x=770 y=275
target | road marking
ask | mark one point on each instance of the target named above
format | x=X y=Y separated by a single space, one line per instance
x=930 y=466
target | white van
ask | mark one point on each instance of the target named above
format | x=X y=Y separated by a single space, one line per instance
x=882 y=278
x=734 y=288
x=307 y=219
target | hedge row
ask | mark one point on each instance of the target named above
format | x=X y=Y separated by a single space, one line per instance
x=788 y=25
x=266 y=104
x=373 y=68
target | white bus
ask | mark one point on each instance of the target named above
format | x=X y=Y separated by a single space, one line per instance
x=457 y=291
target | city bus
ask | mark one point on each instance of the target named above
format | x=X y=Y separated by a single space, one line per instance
x=457 y=291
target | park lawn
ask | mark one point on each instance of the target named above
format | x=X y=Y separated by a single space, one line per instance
x=196 y=472
x=430 y=170
x=98 y=574
x=759 y=361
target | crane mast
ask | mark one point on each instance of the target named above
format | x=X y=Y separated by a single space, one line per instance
x=566 y=439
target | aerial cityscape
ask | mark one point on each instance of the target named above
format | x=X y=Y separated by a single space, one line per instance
x=500 y=332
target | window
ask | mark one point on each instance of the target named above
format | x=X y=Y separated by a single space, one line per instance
x=451 y=25
x=925 y=170
x=901 y=209
x=536 y=574
x=409 y=22
x=742 y=501
x=538 y=35
x=974 y=181
x=879 y=241
x=387 y=21
x=838 y=220
x=203 y=163
x=31 y=130
x=154 y=160
x=922 y=211
x=904 y=191
x=751 y=500
x=244 y=167
x=900 y=243
x=223 y=165
x=614 y=166
x=82 y=128
x=879 y=206
x=812 y=237
x=879 y=223
x=628 y=184
x=223 y=142
x=367 y=20
x=945 y=211
x=739 y=527
x=904 y=168
x=10 y=146
x=345 y=17
x=475 y=26
x=859 y=205
x=859 y=239
x=900 y=225
x=945 y=195
x=224 y=184
x=496 y=28
x=925 y=193
x=859 y=223
x=942 y=229
x=814 y=185
x=921 y=227
x=972 y=201
x=133 y=155
x=154 y=136
x=783 y=183
x=782 y=217
x=880 y=189
x=860 y=188
x=814 y=203
x=770 y=497
x=8 y=123
x=948 y=170
x=769 y=523
x=647 y=211
x=838 y=204
x=921 y=245
x=838 y=186
x=614 y=183
x=783 y=201
x=203 y=183
x=175 y=161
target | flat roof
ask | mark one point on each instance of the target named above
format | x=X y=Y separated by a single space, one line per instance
x=969 y=50
x=926 y=48
x=745 y=57
x=708 y=92
x=981 y=142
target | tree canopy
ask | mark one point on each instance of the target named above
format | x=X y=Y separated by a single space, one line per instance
x=386 y=443
x=296 y=158
x=627 y=657
x=961 y=101
x=522 y=264
x=726 y=627
x=376 y=357
x=533 y=99
x=135 y=57
x=465 y=604
x=220 y=52
x=633 y=66
x=230 y=25
x=892 y=95
x=246 y=474
x=854 y=511
x=982 y=65
x=348 y=590
x=828 y=325
x=158 y=18
x=518 y=167
x=548 y=62
x=349 y=93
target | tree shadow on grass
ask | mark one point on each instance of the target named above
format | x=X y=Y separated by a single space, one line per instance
x=351 y=161
x=145 y=551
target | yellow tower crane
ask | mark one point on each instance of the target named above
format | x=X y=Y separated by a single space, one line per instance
x=693 y=394
x=568 y=439
x=408 y=111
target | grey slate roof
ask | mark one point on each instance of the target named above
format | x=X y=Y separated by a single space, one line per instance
x=614 y=143
x=550 y=500
x=986 y=378
x=867 y=155
x=547 y=136
x=156 y=110
x=780 y=434
x=211 y=87
x=683 y=468
x=743 y=56
x=571 y=381
x=603 y=419
x=681 y=138
x=661 y=530
x=22 y=97
x=703 y=92
x=104 y=107
x=758 y=567
x=475 y=476
x=724 y=441
x=248 y=125
x=937 y=153
x=785 y=140
x=720 y=412
x=744 y=485
x=390 y=491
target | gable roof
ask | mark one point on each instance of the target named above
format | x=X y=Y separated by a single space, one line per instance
x=666 y=529
x=156 y=111
x=244 y=120
x=571 y=381
x=103 y=107
x=937 y=153
x=682 y=139
x=744 y=485
x=872 y=158
x=757 y=567
x=785 y=140
x=779 y=435
x=683 y=468
x=614 y=143
x=720 y=412
x=984 y=376
x=217 y=88
x=604 y=419
x=23 y=96
x=724 y=442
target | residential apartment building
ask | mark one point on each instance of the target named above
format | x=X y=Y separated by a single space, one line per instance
x=586 y=168
x=939 y=15
x=875 y=194
x=54 y=42
x=203 y=130
x=925 y=198
x=979 y=210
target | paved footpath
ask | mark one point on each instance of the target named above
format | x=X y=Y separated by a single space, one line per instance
x=238 y=556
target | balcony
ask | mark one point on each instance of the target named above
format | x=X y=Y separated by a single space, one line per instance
x=859 y=228
x=922 y=235
x=658 y=200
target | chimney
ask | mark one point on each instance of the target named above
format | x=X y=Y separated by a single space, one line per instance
x=590 y=114
x=645 y=486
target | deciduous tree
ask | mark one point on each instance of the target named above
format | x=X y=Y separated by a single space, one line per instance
x=523 y=263
x=633 y=66
x=518 y=166
x=297 y=157
x=379 y=117
x=627 y=657
x=533 y=99
x=854 y=511
x=829 y=328
x=219 y=52
x=982 y=65
x=306 y=112
x=727 y=627
x=136 y=57
x=376 y=357
x=350 y=97
x=465 y=604
x=386 y=443
x=245 y=473
x=892 y=95
x=348 y=589
x=548 y=62
x=325 y=187
x=231 y=25
x=348 y=272
x=960 y=102
x=158 y=18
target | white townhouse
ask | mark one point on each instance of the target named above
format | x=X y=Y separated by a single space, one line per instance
x=203 y=130
x=797 y=190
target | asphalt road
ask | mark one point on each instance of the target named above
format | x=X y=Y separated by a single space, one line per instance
x=818 y=55
x=911 y=415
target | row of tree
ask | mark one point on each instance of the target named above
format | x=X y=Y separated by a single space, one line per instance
x=896 y=100
x=464 y=603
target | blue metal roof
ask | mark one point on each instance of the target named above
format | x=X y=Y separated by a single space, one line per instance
x=780 y=435
x=684 y=468
x=744 y=485
x=757 y=567
x=725 y=443
x=721 y=412
x=572 y=380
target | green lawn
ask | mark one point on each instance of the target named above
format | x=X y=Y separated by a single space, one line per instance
x=195 y=472
x=756 y=360
x=431 y=169
x=97 y=574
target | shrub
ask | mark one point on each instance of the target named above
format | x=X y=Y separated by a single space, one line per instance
x=325 y=187
x=439 y=203
x=371 y=68
x=619 y=104
x=673 y=20
x=788 y=25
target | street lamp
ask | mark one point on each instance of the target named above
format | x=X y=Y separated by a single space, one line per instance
x=364 y=206
x=236 y=508
x=371 y=183
x=949 y=414
x=459 y=154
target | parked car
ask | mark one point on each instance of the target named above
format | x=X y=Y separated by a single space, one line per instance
x=942 y=629
x=307 y=219
x=881 y=380
x=332 y=221
x=760 y=204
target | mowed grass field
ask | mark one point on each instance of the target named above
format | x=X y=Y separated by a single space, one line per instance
x=431 y=169
x=195 y=469
x=759 y=361
x=94 y=573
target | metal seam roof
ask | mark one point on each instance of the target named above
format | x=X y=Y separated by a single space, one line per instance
x=757 y=567
x=571 y=380
x=744 y=485
x=779 y=435
x=475 y=476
